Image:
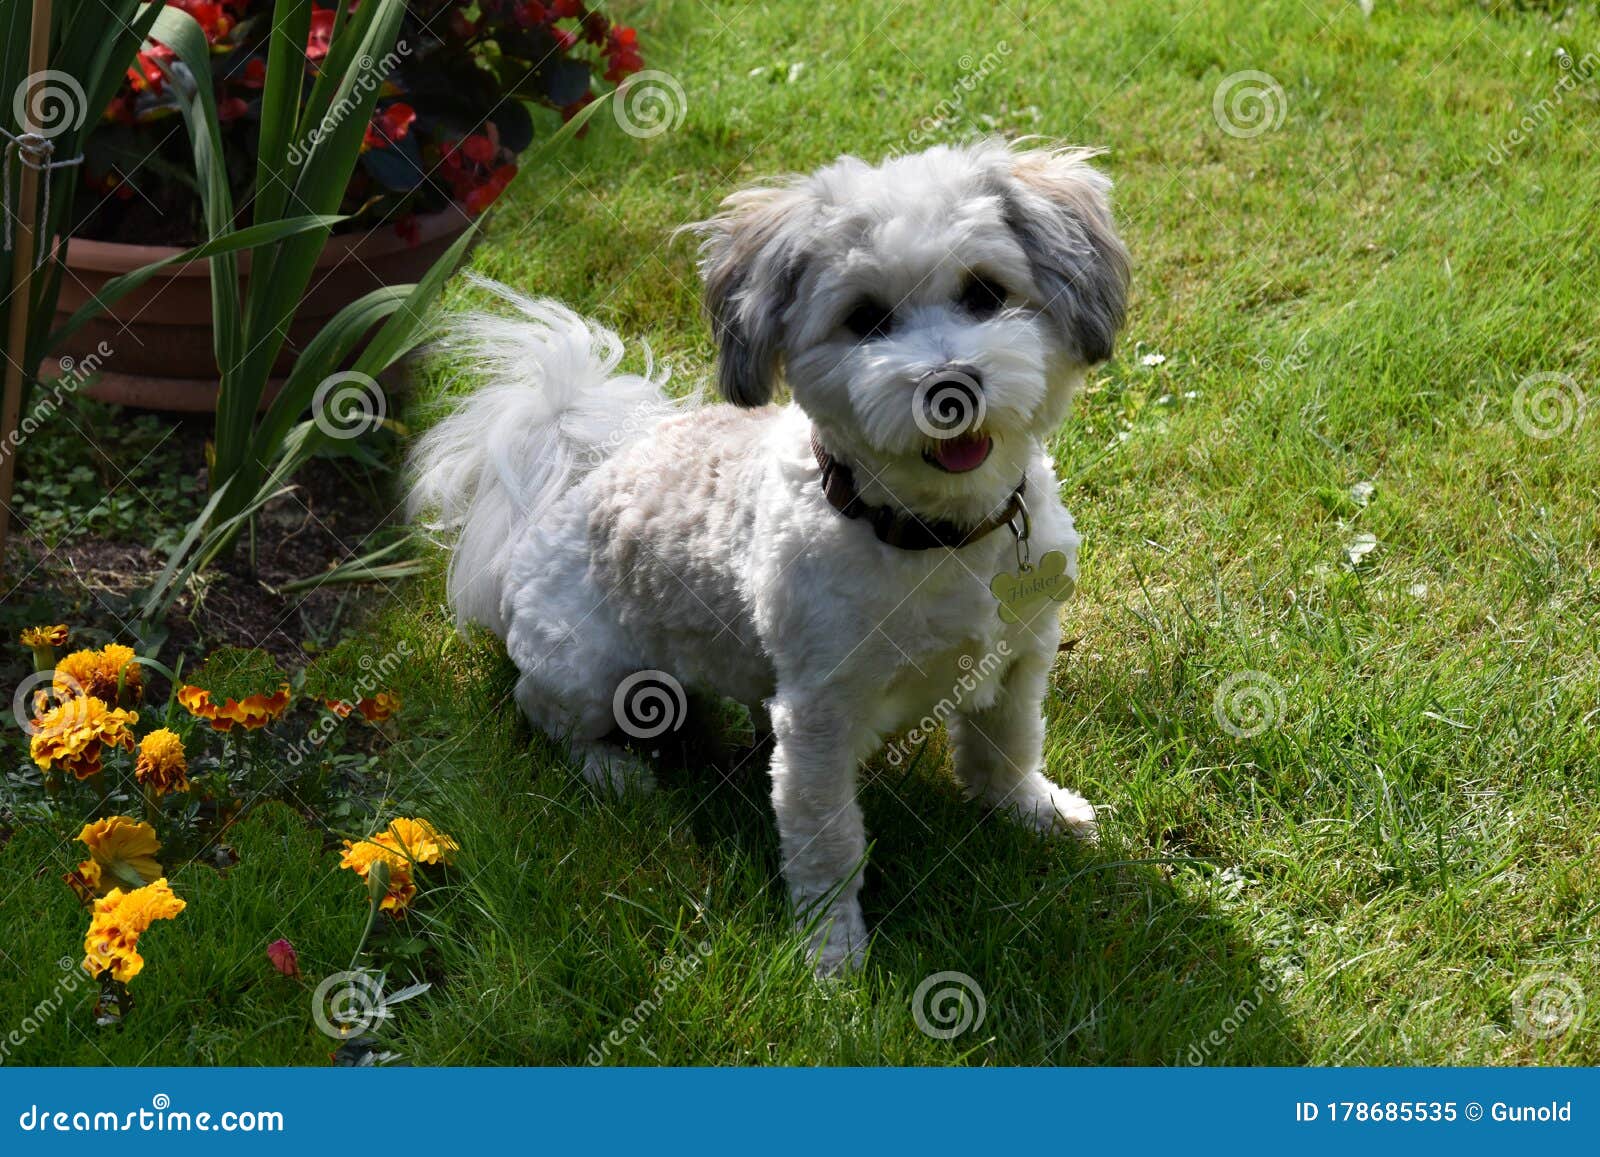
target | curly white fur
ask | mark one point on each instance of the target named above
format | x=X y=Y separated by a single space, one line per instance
x=602 y=531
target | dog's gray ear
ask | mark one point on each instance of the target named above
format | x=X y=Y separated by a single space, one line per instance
x=750 y=259
x=1059 y=208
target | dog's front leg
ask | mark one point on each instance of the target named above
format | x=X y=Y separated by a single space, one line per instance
x=999 y=754
x=820 y=830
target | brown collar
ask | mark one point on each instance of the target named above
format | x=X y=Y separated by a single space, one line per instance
x=901 y=528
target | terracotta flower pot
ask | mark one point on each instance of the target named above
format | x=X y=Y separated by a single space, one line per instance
x=159 y=336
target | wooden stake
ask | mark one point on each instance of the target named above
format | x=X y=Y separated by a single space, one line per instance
x=22 y=264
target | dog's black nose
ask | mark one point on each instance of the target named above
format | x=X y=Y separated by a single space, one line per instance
x=949 y=401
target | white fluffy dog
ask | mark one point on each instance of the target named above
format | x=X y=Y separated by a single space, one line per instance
x=831 y=562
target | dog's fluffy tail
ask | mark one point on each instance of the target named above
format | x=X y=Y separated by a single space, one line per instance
x=549 y=409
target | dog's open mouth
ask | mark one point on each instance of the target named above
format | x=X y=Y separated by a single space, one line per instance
x=959 y=455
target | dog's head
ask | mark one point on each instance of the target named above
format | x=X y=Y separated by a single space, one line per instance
x=931 y=314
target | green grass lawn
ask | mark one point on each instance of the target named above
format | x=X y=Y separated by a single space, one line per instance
x=1346 y=303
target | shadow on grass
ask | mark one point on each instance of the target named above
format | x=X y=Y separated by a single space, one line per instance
x=1083 y=955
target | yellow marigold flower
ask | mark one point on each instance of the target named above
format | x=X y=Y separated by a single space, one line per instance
x=419 y=840
x=251 y=712
x=97 y=673
x=74 y=735
x=359 y=858
x=123 y=850
x=161 y=766
x=404 y=843
x=37 y=637
x=112 y=942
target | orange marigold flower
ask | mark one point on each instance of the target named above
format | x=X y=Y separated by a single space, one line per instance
x=37 y=637
x=251 y=712
x=405 y=843
x=73 y=735
x=161 y=766
x=384 y=705
x=120 y=918
x=99 y=673
x=123 y=852
x=376 y=709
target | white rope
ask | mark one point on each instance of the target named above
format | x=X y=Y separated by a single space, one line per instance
x=34 y=150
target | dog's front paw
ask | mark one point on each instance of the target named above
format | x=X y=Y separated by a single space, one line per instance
x=838 y=940
x=1052 y=810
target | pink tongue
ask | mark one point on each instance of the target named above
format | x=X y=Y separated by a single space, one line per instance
x=968 y=452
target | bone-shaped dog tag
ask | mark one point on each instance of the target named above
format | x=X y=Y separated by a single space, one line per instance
x=1022 y=592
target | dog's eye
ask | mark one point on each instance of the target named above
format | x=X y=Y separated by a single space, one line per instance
x=869 y=319
x=983 y=298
